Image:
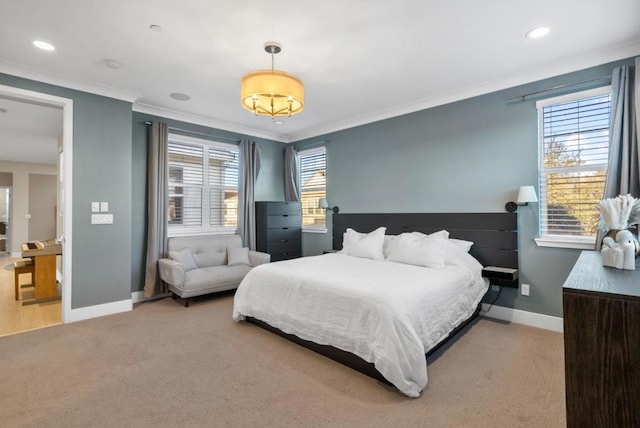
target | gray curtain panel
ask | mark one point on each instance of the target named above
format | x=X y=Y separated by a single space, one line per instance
x=249 y=169
x=156 y=207
x=291 y=174
x=624 y=154
x=624 y=151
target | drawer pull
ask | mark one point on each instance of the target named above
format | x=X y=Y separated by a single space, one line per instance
x=285 y=215
x=285 y=228
x=285 y=240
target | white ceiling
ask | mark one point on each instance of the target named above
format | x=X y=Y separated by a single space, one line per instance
x=360 y=60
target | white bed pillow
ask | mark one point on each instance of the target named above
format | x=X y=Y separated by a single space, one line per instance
x=388 y=244
x=462 y=244
x=365 y=245
x=184 y=257
x=455 y=255
x=419 y=251
x=441 y=233
x=238 y=256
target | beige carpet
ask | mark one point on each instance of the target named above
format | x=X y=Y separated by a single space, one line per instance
x=163 y=365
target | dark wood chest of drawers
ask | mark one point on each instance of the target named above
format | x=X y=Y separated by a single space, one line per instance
x=279 y=229
x=601 y=308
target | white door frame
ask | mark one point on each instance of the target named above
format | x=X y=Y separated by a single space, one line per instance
x=67 y=177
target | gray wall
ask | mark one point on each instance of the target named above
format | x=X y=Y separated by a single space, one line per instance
x=101 y=259
x=270 y=184
x=468 y=156
x=42 y=206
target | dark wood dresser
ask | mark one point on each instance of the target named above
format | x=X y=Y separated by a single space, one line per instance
x=601 y=344
x=279 y=229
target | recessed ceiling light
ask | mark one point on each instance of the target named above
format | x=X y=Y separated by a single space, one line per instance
x=537 y=32
x=180 y=97
x=112 y=63
x=155 y=28
x=278 y=122
x=44 y=45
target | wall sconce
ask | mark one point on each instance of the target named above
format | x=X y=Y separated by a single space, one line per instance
x=526 y=194
x=324 y=204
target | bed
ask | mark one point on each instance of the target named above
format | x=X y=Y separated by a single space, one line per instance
x=382 y=308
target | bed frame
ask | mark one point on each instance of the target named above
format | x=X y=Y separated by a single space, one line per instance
x=495 y=237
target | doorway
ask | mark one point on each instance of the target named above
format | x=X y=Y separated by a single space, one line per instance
x=5 y=210
x=56 y=164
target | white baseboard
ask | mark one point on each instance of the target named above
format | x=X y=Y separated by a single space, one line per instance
x=517 y=316
x=98 y=311
x=137 y=297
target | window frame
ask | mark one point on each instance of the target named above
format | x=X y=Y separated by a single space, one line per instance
x=319 y=228
x=205 y=228
x=563 y=241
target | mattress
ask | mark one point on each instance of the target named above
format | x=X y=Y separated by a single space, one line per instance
x=389 y=314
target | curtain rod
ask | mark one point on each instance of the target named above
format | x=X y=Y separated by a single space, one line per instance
x=555 y=88
x=202 y=134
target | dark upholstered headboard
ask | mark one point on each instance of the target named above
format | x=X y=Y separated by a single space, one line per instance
x=495 y=235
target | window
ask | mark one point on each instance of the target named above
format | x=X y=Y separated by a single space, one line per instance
x=203 y=186
x=313 y=187
x=574 y=150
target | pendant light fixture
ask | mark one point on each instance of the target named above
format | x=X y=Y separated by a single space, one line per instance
x=272 y=92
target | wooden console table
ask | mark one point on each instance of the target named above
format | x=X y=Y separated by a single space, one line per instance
x=601 y=344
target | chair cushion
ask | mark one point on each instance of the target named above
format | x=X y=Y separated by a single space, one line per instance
x=214 y=277
x=211 y=258
x=238 y=256
x=184 y=257
x=207 y=250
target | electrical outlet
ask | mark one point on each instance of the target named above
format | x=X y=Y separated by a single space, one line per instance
x=524 y=289
x=495 y=287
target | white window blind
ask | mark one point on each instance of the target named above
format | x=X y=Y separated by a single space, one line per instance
x=185 y=184
x=203 y=186
x=574 y=151
x=313 y=187
x=223 y=183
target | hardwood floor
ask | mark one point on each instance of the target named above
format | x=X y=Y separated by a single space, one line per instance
x=15 y=318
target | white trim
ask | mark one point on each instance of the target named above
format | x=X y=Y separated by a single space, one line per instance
x=314 y=229
x=571 y=64
x=19 y=255
x=602 y=90
x=313 y=150
x=67 y=147
x=517 y=316
x=137 y=297
x=207 y=121
x=105 y=91
x=566 y=243
x=546 y=71
x=201 y=141
x=95 y=311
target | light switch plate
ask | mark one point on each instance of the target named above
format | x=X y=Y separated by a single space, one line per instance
x=104 y=207
x=95 y=207
x=101 y=218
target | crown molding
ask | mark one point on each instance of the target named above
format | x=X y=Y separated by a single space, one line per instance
x=572 y=64
x=105 y=91
x=206 y=121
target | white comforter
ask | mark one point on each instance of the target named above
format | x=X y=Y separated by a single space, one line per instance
x=389 y=314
